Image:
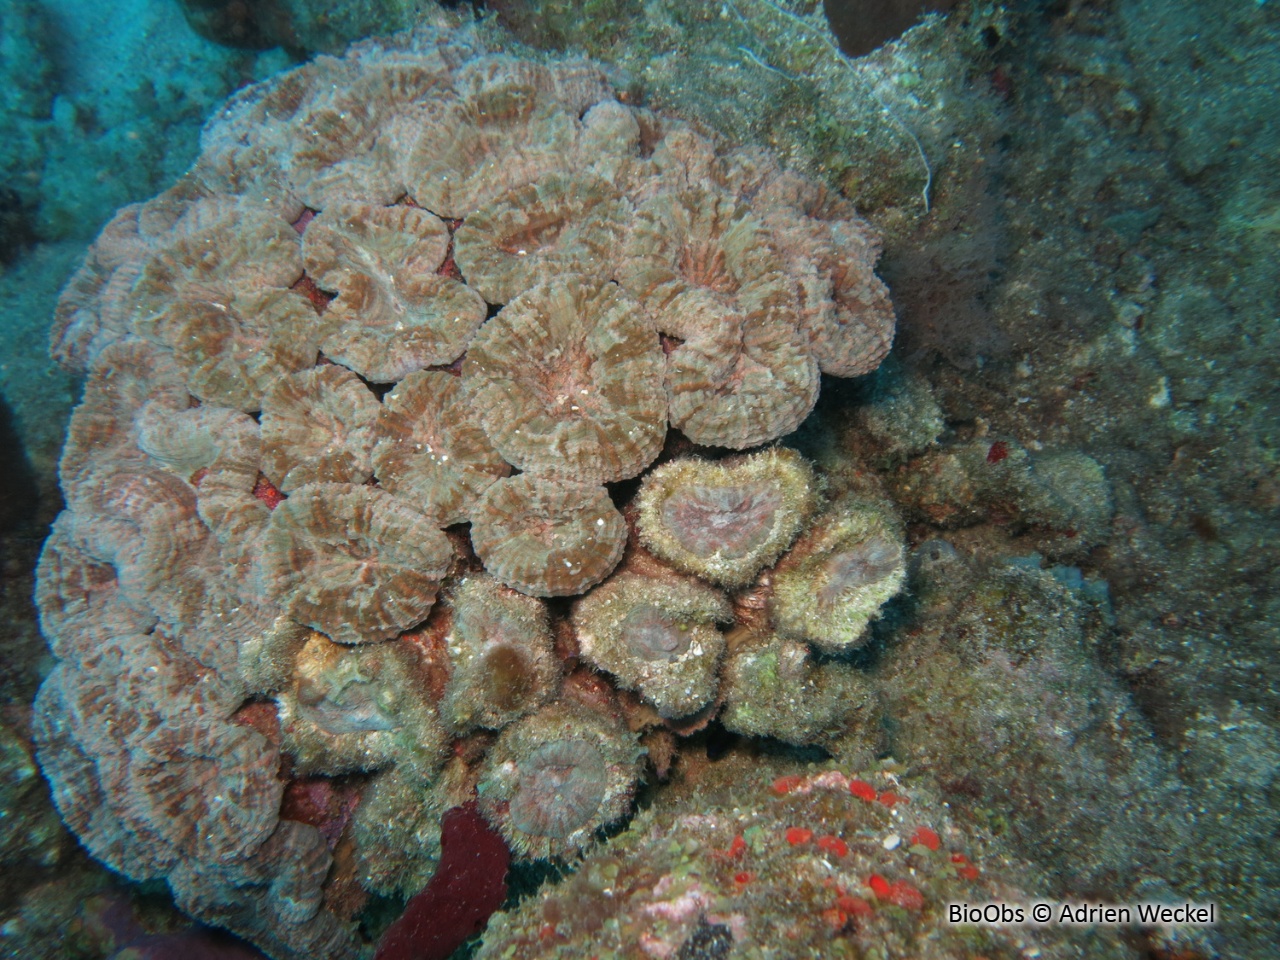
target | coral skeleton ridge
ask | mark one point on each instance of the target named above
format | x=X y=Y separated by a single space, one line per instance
x=356 y=389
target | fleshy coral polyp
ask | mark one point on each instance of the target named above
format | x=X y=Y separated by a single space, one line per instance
x=839 y=575
x=657 y=635
x=726 y=521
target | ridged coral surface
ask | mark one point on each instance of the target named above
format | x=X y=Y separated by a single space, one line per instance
x=391 y=280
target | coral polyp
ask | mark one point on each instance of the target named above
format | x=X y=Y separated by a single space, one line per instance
x=556 y=777
x=559 y=225
x=567 y=381
x=837 y=577
x=706 y=269
x=500 y=653
x=393 y=314
x=548 y=538
x=431 y=449
x=657 y=635
x=397 y=834
x=317 y=427
x=561 y=786
x=346 y=709
x=726 y=521
x=354 y=562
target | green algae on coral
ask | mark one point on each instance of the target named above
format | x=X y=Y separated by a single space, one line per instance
x=725 y=521
x=773 y=688
x=837 y=577
x=556 y=777
x=656 y=635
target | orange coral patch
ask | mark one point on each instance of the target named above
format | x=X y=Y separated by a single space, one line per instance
x=862 y=790
x=926 y=838
x=798 y=835
x=834 y=845
x=784 y=785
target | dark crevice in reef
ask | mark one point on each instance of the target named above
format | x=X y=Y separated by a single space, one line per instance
x=863 y=25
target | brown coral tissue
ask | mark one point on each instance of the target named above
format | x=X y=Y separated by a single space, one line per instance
x=361 y=390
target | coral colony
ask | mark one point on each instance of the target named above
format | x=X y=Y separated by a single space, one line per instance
x=356 y=388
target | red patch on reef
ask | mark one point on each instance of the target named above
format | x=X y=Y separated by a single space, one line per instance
x=997 y=452
x=879 y=886
x=450 y=268
x=904 y=895
x=266 y=491
x=798 y=835
x=325 y=804
x=786 y=784
x=469 y=885
x=833 y=845
x=862 y=790
x=926 y=838
x=454 y=369
x=669 y=344
x=963 y=867
x=260 y=715
x=307 y=287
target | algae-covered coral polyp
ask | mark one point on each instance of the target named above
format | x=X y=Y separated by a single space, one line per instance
x=556 y=777
x=656 y=634
x=838 y=576
x=502 y=661
x=348 y=709
x=725 y=521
